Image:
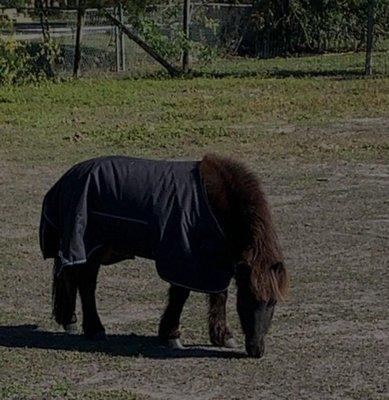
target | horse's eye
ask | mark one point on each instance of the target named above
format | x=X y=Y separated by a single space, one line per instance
x=271 y=303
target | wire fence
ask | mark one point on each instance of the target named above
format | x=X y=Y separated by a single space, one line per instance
x=217 y=34
x=98 y=47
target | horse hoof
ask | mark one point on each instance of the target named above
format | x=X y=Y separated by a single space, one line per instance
x=96 y=337
x=175 y=344
x=231 y=343
x=71 y=329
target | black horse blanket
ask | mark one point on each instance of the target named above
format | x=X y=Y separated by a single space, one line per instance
x=137 y=207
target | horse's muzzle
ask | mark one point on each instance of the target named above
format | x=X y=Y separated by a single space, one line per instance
x=256 y=350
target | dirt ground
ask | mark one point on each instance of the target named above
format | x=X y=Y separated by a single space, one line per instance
x=329 y=340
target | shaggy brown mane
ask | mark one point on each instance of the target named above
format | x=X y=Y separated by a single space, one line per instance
x=240 y=205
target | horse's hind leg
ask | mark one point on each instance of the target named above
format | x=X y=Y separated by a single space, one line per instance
x=91 y=324
x=169 y=332
x=219 y=332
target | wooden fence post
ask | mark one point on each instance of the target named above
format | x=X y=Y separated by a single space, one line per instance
x=185 y=23
x=77 y=49
x=370 y=38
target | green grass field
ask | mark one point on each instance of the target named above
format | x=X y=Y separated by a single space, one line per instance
x=177 y=117
x=320 y=144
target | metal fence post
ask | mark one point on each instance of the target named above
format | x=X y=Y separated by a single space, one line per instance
x=119 y=41
x=117 y=44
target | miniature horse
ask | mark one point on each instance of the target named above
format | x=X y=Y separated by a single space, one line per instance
x=239 y=206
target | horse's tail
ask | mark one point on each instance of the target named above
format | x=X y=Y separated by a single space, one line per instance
x=64 y=293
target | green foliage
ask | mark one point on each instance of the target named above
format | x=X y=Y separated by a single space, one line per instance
x=5 y=23
x=168 y=46
x=22 y=62
x=166 y=36
x=295 y=26
x=13 y=3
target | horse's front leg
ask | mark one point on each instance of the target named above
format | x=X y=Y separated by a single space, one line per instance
x=91 y=324
x=169 y=332
x=219 y=332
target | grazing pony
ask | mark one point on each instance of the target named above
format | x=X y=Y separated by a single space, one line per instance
x=202 y=222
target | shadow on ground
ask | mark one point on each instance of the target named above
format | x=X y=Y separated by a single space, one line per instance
x=334 y=74
x=337 y=74
x=29 y=336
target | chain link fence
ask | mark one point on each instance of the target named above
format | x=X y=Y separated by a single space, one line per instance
x=217 y=33
x=98 y=43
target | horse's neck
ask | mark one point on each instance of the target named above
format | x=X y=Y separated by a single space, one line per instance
x=217 y=195
x=223 y=203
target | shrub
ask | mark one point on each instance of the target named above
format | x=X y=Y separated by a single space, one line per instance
x=27 y=62
x=6 y=23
